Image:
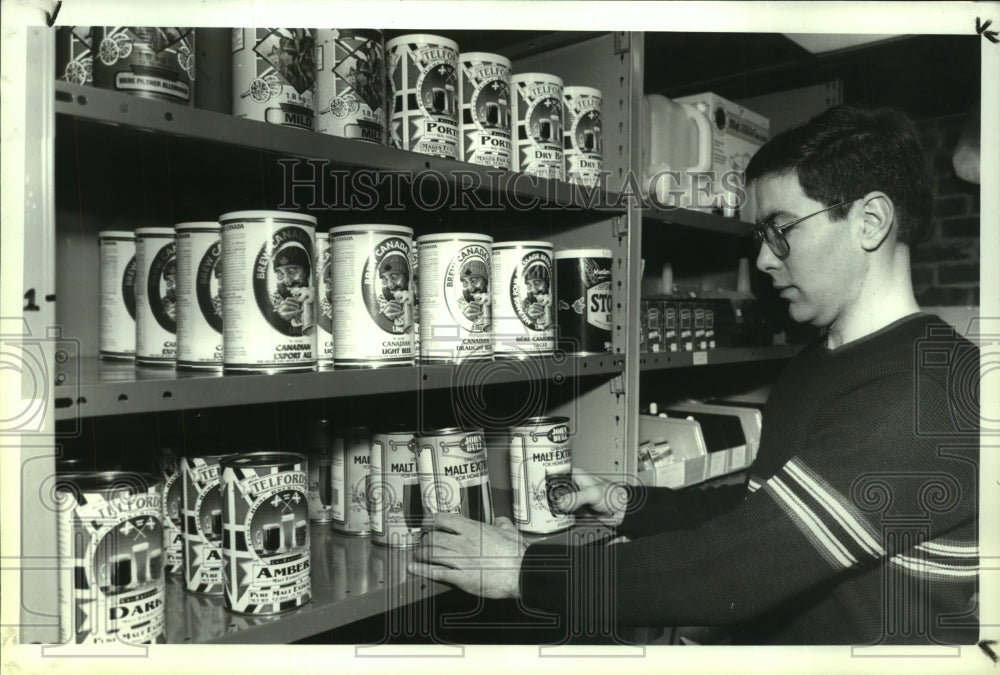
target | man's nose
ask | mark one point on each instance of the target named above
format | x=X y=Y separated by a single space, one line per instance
x=766 y=260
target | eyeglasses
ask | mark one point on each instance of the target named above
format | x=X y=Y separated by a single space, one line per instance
x=774 y=235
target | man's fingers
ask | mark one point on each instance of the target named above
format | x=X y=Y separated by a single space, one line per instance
x=504 y=523
x=435 y=572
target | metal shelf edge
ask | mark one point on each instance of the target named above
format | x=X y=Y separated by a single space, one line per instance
x=719 y=356
x=696 y=220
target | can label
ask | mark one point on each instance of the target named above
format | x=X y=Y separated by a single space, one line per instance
x=324 y=317
x=118 y=267
x=350 y=84
x=394 y=504
x=425 y=95
x=173 y=526
x=266 y=537
x=156 y=299
x=349 y=483
x=538 y=136
x=202 y=510
x=485 y=114
x=583 y=145
x=453 y=474
x=74 y=58
x=274 y=75
x=585 y=303
x=152 y=62
x=318 y=495
x=199 y=305
x=522 y=296
x=541 y=470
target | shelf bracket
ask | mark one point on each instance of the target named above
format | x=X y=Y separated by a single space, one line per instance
x=618 y=385
x=622 y=42
x=619 y=226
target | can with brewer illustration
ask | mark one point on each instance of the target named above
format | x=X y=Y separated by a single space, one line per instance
x=523 y=295
x=155 y=296
x=199 y=301
x=118 y=268
x=541 y=470
x=324 y=311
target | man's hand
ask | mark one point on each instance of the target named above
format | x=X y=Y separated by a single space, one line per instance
x=606 y=500
x=393 y=310
x=289 y=309
x=472 y=311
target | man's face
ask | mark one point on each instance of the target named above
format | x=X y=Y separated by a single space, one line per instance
x=473 y=284
x=537 y=286
x=170 y=281
x=392 y=280
x=291 y=276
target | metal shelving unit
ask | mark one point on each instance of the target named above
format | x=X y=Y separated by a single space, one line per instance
x=714 y=357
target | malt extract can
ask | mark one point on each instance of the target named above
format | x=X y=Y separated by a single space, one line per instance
x=454 y=477
x=523 y=311
x=173 y=520
x=118 y=271
x=317 y=445
x=155 y=296
x=583 y=282
x=456 y=313
x=265 y=545
x=485 y=117
x=423 y=72
x=202 y=522
x=274 y=75
x=151 y=62
x=350 y=84
x=583 y=147
x=372 y=292
x=74 y=56
x=394 y=504
x=350 y=462
x=324 y=315
x=110 y=538
x=541 y=470
x=537 y=101
x=268 y=291
x=199 y=301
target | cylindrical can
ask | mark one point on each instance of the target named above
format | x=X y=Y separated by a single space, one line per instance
x=349 y=565
x=583 y=284
x=268 y=293
x=199 y=302
x=151 y=62
x=111 y=582
x=317 y=445
x=456 y=314
x=173 y=526
x=74 y=58
x=324 y=317
x=536 y=99
x=541 y=471
x=485 y=116
x=454 y=477
x=394 y=504
x=350 y=461
x=523 y=312
x=202 y=523
x=372 y=295
x=274 y=75
x=118 y=267
x=155 y=296
x=584 y=146
x=350 y=89
x=423 y=71
x=266 y=532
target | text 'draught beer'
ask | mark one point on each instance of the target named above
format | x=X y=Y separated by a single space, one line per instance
x=583 y=283
x=485 y=115
x=538 y=123
x=523 y=299
x=199 y=302
x=118 y=271
x=202 y=522
x=454 y=477
x=423 y=77
x=583 y=136
x=151 y=62
x=350 y=84
x=541 y=471
x=274 y=75
x=155 y=296
x=394 y=504
x=349 y=467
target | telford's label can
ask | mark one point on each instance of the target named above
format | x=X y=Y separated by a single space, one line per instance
x=350 y=77
x=541 y=471
x=111 y=582
x=423 y=71
x=152 y=62
x=199 y=302
x=173 y=525
x=583 y=145
x=268 y=291
x=350 y=461
x=317 y=445
x=454 y=477
x=394 y=504
x=456 y=313
x=583 y=282
x=155 y=296
x=485 y=117
x=274 y=75
x=202 y=523
x=118 y=266
x=537 y=101
x=266 y=532
x=524 y=316
x=74 y=56
x=372 y=295
x=324 y=315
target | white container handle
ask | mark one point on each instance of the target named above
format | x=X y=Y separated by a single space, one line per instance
x=704 y=138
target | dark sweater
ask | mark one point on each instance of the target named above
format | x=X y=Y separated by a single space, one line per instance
x=858 y=524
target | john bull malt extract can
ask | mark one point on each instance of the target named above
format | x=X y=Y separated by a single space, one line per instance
x=454 y=477
x=269 y=301
x=423 y=71
x=265 y=543
x=583 y=145
x=118 y=272
x=202 y=522
x=583 y=281
x=111 y=584
x=74 y=56
x=537 y=100
x=350 y=84
x=456 y=303
x=317 y=444
x=523 y=286
x=349 y=468
x=155 y=296
x=372 y=295
x=151 y=62
x=199 y=296
x=541 y=471
x=485 y=115
x=394 y=504
x=324 y=313
x=274 y=75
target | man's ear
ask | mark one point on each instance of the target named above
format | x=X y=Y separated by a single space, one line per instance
x=878 y=216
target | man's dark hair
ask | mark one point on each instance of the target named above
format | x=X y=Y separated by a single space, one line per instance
x=847 y=152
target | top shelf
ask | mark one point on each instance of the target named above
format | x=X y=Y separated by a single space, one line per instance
x=697 y=220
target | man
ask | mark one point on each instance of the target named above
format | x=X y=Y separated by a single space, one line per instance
x=169 y=299
x=293 y=299
x=857 y=524
x=475 y=300
x=396 y=301
x=537 y=303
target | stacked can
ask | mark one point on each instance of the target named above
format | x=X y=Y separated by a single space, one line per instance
x=118 y=267
x=155 y=296
x=317 y=445
x=423 y=71
x=74 y=57
x=585 y=304
x=350 y=91
x=202 y=522
x=151 y=62
x=173 y=521
x=454 y=477
x=484 y=89
x=199 y=302
x=583 y=145
x=394 y=504
x=537 y=102
x=524 y=315
x=541 y=473
x=274 y=75
x=324 y=312
x=350 y=464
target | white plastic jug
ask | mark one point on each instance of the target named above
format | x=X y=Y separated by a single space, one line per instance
x=677 y=137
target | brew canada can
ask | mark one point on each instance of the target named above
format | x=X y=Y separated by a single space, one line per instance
x=541 y=471
x=350 y=77
x=74 y=56
x=350 y=462
x=199 y=301
x=454 y=477
x=265 y=532
x=268 y=291
x=394 y=504
x=274 y=75
x=423 y=71
x=372 y=293
x=584 y=141
x=202 y=522
x=155 y=296
x=537 y=101
x=151 y=62
x=524 y=315
x=317 y=445
x=117 y=336
x=485 y=117
x=583 y=282
x=324 y=313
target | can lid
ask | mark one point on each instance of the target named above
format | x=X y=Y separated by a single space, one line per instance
x=122 y=234
x=548 y=78
x=303 y=218
x=154 y=232
x=579 y=90
x=262 y=458
x=584 y=253
x=197 y=225
x=373 y=228
x=448 y=431
x=504 y=245
x=477 y=237
x=540 y=421
x=421 y=38
x=106 y=481
x=487 y=57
